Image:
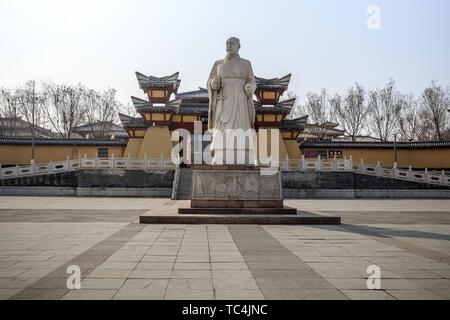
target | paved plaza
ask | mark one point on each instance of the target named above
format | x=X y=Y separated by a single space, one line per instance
x=121 y=259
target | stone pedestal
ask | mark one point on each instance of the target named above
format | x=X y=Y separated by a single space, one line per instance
x=235 y=189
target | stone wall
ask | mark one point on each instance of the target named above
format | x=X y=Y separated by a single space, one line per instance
x=347 y=180
x=296 y=185
x=119 y=178
x=62 y=179
x=350 y=185
x=106 y=178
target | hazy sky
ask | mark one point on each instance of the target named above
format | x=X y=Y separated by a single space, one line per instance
x=322 y=43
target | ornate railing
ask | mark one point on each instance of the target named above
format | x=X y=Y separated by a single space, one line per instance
x=426 y=176
x=85 y=163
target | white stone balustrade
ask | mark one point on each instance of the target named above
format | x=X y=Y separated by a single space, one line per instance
x=426 y=176
x=85 y=163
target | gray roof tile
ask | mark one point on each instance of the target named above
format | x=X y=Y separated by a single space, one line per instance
x=146 y=81
x=282 y=82
x=201 y=93
x=65 y=141
x=374 y=145
x=131 y=122
x=296 y=123
x=143 y=105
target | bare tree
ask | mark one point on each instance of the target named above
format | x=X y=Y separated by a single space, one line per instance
x=296 y=110
x=426 y=130
x=30 y=104
x=64 y=108
x=101 y=110
x=129 y=110
x=9 y=113
x=410 y=120
x=351 y=111
x=447 y=133
x=435 y=102
x=319 y=111
x=385 y=107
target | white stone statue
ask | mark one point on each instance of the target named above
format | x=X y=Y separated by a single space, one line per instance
x=231 y=86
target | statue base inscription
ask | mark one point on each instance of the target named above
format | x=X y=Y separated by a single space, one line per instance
x=235 y=189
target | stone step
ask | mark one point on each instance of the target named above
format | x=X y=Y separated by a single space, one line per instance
x=184 y=184
x=240 y=219
x=247 y=211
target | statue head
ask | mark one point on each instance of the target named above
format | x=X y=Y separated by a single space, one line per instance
x=233 y=46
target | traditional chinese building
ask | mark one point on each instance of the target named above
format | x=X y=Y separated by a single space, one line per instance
x=99 y=130
x=19 y=128
x=151 y=133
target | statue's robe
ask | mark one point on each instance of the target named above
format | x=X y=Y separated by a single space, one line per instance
x=230 y=107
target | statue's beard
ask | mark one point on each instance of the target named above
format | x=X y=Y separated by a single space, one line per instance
x=231 y=54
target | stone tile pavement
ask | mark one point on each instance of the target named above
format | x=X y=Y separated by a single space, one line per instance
x=120 y=259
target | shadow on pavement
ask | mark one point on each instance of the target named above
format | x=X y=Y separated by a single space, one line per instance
x=386 y=232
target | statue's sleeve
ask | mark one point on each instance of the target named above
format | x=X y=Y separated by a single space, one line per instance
x=251 y=78
x=211 y=96
x=213 y=72
x=252 y=81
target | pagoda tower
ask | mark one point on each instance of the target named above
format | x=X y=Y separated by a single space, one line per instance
x=150 y=134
